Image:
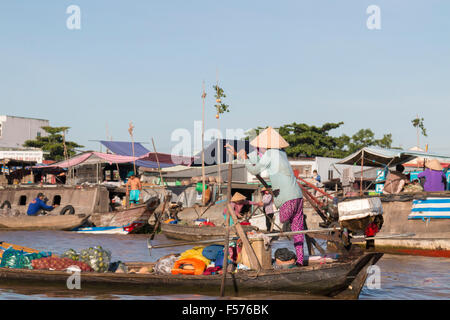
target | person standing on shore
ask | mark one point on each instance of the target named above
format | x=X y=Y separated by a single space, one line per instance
x=271 y=157
x=134 y=188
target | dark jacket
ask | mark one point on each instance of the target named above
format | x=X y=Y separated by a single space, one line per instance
x=36 y=205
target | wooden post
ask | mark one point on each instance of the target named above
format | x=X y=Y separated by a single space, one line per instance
x=203 y=148
x=130 y=130
x=362 y=172
x=227 y=231
x=159 y=167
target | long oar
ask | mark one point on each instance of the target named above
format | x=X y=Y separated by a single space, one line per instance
x=150 y=246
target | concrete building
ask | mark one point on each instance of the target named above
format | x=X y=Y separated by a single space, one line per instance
x=14 y=131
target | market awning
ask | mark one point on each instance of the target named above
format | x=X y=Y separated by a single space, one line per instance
x=89 y=158
x=379 y=157
x=125 y=148
x=166 y=158
x=146 y=159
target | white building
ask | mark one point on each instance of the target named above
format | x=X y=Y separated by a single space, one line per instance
x=14 y=131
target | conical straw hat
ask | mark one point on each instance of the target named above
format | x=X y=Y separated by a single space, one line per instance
x=238 y=197
x=434 y=165
x=269 y=139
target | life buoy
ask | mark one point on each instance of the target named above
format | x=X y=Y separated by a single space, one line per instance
x=7 y=204
x=189 y=266
x=67 y=208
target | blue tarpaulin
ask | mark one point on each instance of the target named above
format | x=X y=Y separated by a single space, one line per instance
x=125 y=148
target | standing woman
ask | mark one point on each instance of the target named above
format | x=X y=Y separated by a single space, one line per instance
x=288 y=195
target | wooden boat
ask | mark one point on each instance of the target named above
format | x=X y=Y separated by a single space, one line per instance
x=343 y=279
x=122 y=218
x=122 y=221
x=193 y=233
x=47 y=222
x=402 y=214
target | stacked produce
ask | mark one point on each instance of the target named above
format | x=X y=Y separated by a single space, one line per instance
x=20 y=260
x=54 y=263
x=97 y=258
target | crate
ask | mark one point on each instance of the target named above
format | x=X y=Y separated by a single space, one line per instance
x=264 y=255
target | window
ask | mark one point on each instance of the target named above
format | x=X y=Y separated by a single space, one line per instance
x=330 y=174
x=23 y=201
x=38 y=134
x=57 y=200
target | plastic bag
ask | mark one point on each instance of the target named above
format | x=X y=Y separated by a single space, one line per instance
x=97 y=258
x=165 y=264
x=20 y=260
x=71 y=254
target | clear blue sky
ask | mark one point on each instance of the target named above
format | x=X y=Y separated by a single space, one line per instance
x=278 y=61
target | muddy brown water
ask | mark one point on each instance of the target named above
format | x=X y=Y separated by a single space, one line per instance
x=402 y=277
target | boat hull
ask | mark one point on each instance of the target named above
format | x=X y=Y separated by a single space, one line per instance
x=334 y=279
x=47 y=222
x=194 y=233
x=138 y=214
x=432 y=236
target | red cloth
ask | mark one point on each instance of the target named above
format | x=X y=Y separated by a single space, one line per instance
x=371 y=230
x=211 y=270
x=207 y=224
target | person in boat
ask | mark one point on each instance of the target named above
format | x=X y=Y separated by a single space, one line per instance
x=134 y=188
x=434 y=176
x=267 y=201
x=38 y=205
x=238 y=201
x=395 y=180
x=269 y=156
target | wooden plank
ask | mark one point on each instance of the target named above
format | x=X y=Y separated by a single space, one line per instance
x=254 y=263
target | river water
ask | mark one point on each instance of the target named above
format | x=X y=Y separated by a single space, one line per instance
x=402 y=277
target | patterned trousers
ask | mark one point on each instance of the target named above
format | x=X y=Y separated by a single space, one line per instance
x=292 y=211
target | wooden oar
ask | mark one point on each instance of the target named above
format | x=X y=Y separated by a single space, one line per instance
x=227 y=231
x=222 y=240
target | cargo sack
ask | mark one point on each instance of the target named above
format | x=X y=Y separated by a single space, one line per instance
x=211 y=252
x=59 y=264
x=284 y=254
x=18 y=259
x=165 y=264
x=97 y=258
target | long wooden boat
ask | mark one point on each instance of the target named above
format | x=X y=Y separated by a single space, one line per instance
x=193 y=233
x=124 y=221
x=121 y=218
x=402 y=214
x=343 y=279
x=46 y=222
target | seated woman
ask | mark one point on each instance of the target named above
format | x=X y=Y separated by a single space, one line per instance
x=434 y=177
x=395 y=180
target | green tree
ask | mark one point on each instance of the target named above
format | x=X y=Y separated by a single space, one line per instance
x=418 y=124
x=366 y=138
x=54 y=143
x=306 y=140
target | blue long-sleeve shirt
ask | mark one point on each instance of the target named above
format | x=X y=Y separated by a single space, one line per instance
x=280 y=172
x=36 y=205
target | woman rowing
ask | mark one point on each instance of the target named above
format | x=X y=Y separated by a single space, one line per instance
x=270 y=156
